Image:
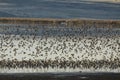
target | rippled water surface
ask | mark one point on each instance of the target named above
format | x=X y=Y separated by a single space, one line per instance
x=59 y=9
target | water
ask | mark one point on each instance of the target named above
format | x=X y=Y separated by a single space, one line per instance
x=60 y=76
x=59 y=9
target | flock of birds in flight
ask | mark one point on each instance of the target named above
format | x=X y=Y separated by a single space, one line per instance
x=45 y=47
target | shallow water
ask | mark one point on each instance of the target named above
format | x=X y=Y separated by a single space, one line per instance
x=60 y=76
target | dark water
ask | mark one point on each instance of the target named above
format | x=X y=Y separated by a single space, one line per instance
x=60 y=76
x=59 y=9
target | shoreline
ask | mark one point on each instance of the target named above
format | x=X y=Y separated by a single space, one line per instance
x=56 y=22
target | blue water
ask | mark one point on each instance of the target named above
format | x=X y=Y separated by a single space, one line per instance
x=59 y=9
